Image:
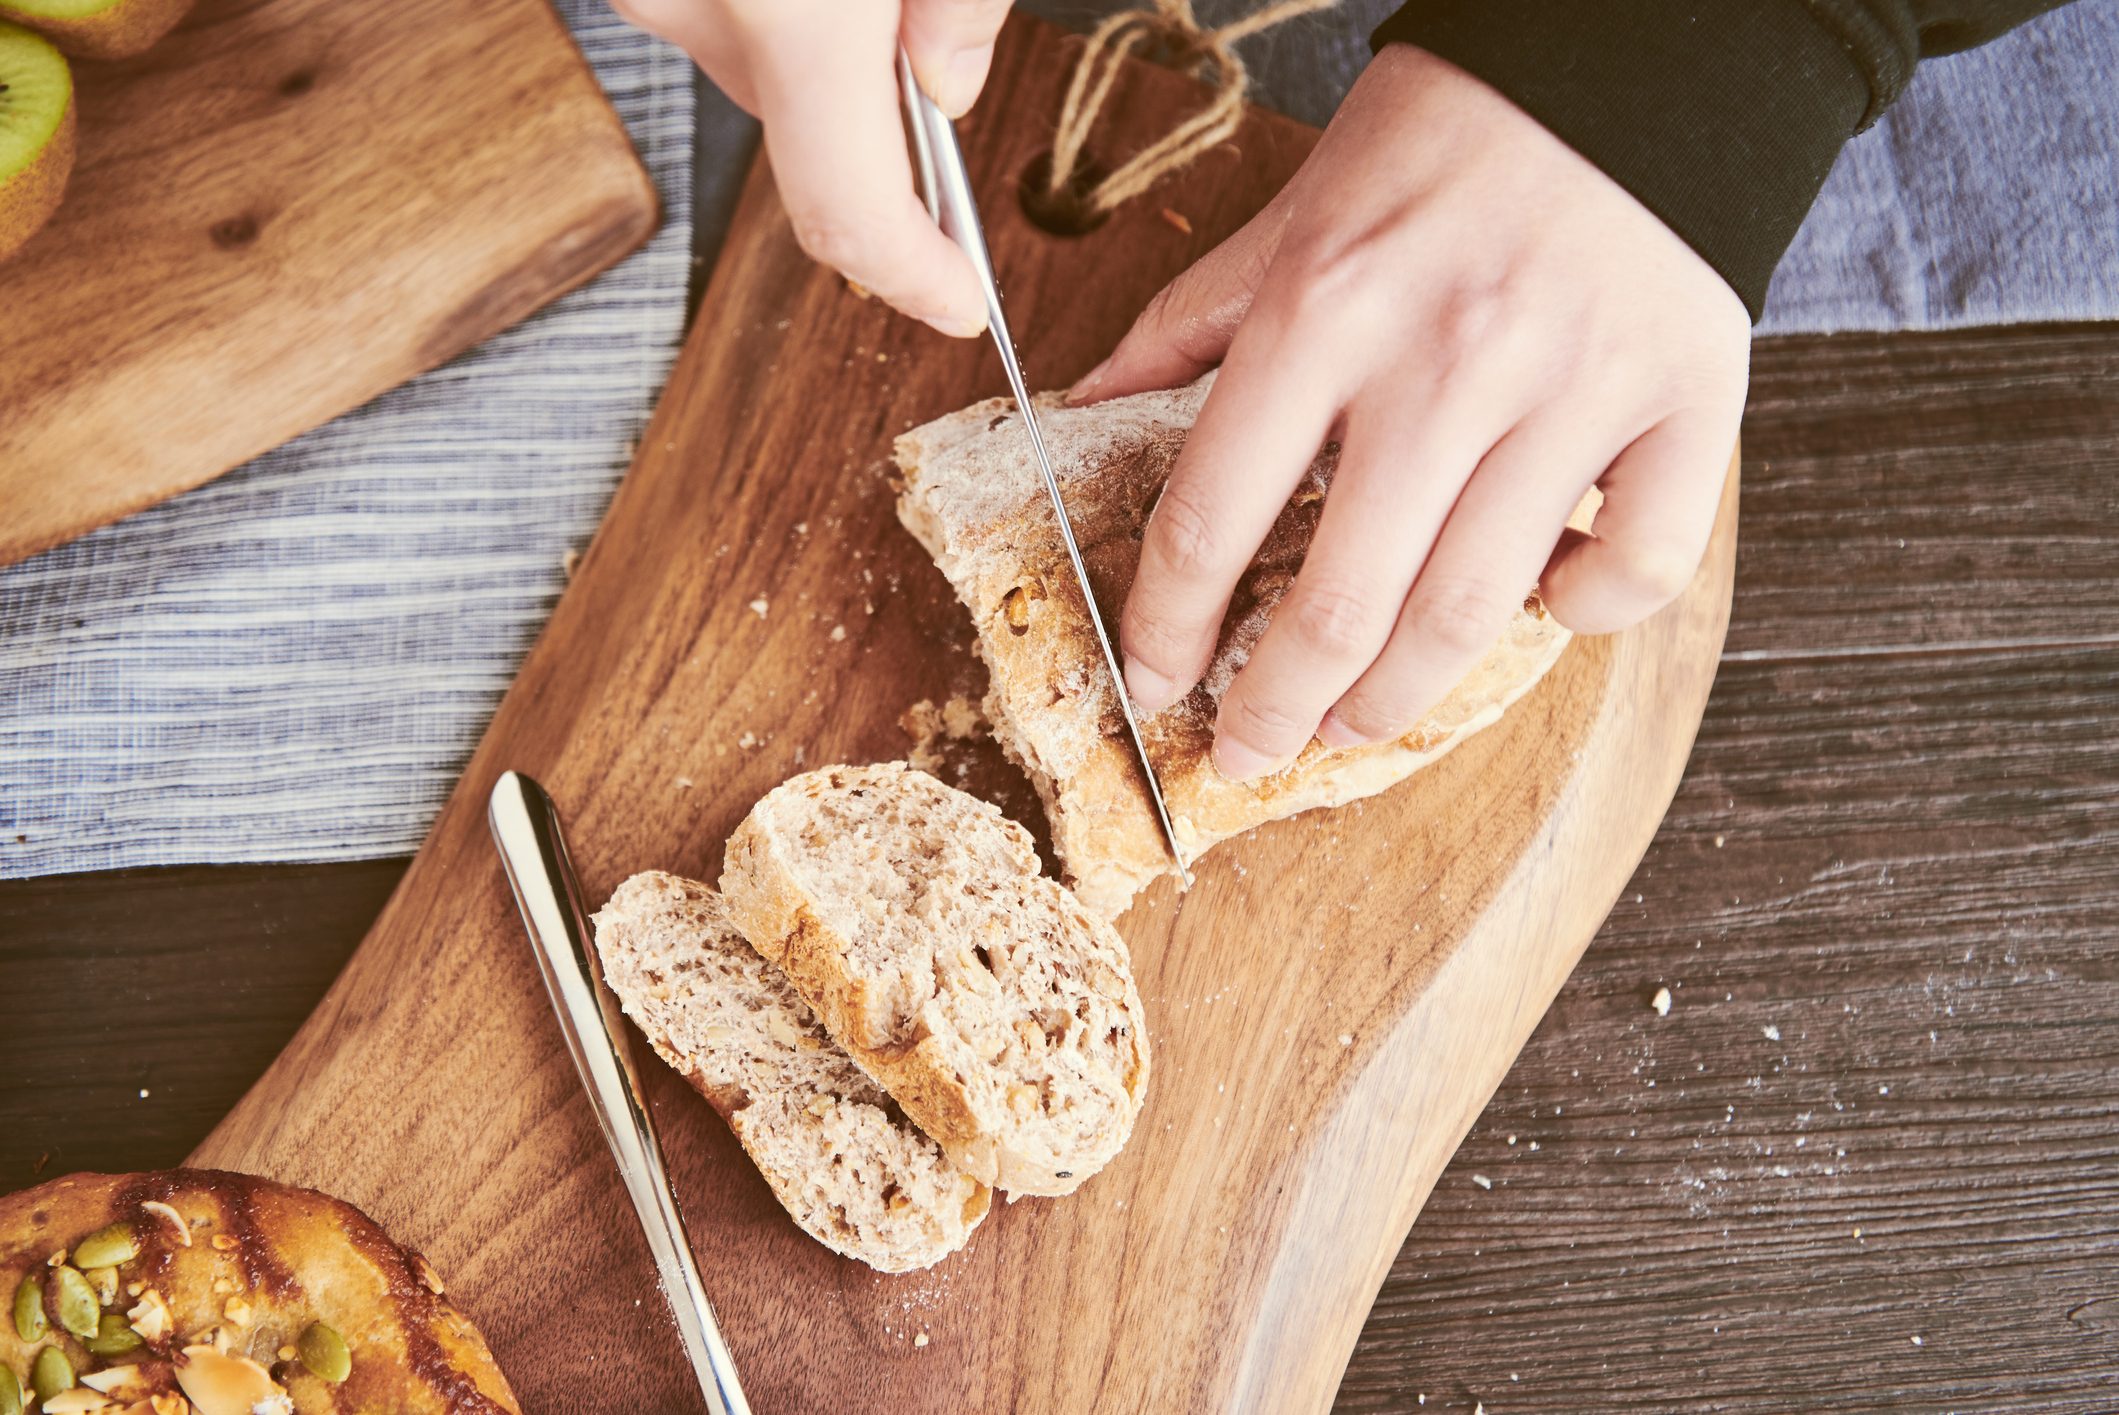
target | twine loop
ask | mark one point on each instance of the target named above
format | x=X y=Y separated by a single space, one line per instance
x=1189 y=45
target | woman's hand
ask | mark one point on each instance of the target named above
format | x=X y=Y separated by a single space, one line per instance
x=822 y=77
x=1487 y=324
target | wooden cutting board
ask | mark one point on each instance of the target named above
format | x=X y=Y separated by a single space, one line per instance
x=281 y=210
x=1330 y=1007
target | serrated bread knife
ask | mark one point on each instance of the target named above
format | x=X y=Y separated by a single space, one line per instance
x=945 y=185
x=525 y=826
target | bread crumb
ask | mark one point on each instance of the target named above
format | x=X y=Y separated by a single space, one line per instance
x=759 y=605
x=838 y=633
x=570 y=562
x=1773 y=1033
x=747 y=740
x=921 y=1339
x=684 y=783
x=1177 y=219
x=1482 y=1181
x=1718 y=842
x=1918 y=1342
x=1661 y=1002
x=929 y=727
x=1346 y=1039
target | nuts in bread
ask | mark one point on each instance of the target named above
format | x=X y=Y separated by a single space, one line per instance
x=917 y=922
x=973 y=498
x=840 y=1157
x=224 y=1294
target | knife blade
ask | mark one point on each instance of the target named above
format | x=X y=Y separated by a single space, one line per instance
x=945 y=185
x=525 y=827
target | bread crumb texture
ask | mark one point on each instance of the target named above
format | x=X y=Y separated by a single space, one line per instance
x=914 y=919
x=841 y=1157
x=973 y=497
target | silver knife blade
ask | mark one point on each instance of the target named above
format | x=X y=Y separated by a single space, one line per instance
x=945 y=184
x=525 y=826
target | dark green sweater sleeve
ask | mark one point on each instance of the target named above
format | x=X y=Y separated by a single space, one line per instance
x=1721 y=116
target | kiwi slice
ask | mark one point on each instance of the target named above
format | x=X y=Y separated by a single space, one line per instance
x=36 y=134
x=98 y=29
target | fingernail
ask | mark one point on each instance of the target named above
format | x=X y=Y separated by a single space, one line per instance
x=961 y=79
x=1334 y=733
x=1084 y=389
x=1151 y=691
x=955 y=326
x=1239 y=761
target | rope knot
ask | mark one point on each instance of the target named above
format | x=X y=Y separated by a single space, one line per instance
x=1170 y=31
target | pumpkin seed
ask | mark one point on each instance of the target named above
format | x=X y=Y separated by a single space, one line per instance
x=51 y=1373
x=107 y=1247
x=324 y=1353
x=114 y=1337
x=10 y=1392
x=104 y=1283
x=76 y=1301
x=29 y=1309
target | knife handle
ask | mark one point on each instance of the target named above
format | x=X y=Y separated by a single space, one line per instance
x=525 y=826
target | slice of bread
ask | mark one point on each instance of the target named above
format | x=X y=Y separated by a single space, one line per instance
x=840 y=1156
x=916 y=921
x=973 y=497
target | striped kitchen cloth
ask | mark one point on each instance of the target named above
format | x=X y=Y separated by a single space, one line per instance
x=292 y=662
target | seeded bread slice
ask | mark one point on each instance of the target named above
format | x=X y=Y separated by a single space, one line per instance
x=917 y=922
x=843 y=1160
x=973 y=498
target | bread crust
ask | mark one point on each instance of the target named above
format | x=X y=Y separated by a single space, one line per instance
x=263 y=1261
x=973 y=498
x=923 y=1067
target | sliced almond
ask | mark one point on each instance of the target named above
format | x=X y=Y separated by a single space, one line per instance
x=175 y=1221
x=150 y=1316
x=78 y=1401
x=221 y=1384
x=119 y=1382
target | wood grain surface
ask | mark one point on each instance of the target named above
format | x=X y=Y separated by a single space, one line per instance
x=1626 y=1275
x=1331 y=1007
x=278 y=212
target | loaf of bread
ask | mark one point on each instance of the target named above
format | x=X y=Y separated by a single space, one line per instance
x=843 y=1160
x=916 y=921
x=973 y=497
x=221 y=1294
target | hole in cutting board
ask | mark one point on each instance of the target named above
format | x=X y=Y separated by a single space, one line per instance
x=1067 y=212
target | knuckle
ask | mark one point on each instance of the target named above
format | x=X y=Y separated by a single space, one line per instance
x=1471 y=315
x=1461 y=617
x=1334 y=621
x=1334 y=283
x=827 y=239
x=1186 y=538
x=1151 y=634
x=1658 y=574
x=1374 y=720
x=1267 y=725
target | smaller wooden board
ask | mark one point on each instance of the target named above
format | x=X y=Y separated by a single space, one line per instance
x=280 y=211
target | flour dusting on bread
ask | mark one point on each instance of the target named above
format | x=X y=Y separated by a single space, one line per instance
x=973 y=497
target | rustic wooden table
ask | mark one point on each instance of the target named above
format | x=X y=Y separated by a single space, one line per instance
x=1870 y=1158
